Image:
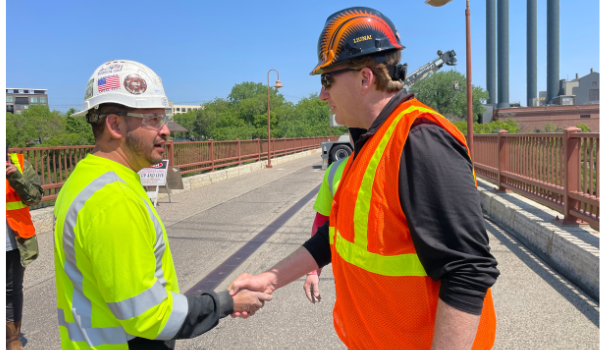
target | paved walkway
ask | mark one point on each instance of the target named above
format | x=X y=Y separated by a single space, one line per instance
x=536 y=307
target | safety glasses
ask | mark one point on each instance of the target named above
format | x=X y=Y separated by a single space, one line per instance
x=327 y=78
x=152 y=120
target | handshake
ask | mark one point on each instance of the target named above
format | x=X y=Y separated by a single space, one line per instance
x=250 y=293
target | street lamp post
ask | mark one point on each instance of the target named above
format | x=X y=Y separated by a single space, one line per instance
x=469 y=86
x=438 y=3
x=277 y=85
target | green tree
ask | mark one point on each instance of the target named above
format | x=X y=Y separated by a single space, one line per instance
x=229 y=127
x=437 y=91
x=207 y=118
x=490 y=128
x=550 y=127
x=70 y=112
x=46 y=123
x=584 y=127
x=78 y=131
x=248 y=101
x=188 y=121
x=19 y=132
x=38 y=125
x=310 y=118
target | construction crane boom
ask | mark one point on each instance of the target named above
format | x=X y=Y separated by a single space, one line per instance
x=447 y=58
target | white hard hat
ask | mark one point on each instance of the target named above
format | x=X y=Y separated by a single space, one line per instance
x=128 y=83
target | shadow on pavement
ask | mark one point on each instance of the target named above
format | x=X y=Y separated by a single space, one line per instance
x=585 y=304
x=23 y=339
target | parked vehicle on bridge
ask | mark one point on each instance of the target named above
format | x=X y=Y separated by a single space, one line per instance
x=335 y=150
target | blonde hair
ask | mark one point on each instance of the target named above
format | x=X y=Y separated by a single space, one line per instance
x=378 y=66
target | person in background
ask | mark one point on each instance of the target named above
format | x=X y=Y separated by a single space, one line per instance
x=331 y=180
x=23 y=189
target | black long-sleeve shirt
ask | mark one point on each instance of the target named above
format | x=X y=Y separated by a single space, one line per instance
x=442 y=208
x=204 y=312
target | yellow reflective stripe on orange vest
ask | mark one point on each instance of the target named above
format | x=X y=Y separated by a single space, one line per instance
x=15 y=160
x=356 y=253
x=331 y=234
x=15 y=205
x=363 y=201
x=390 y=265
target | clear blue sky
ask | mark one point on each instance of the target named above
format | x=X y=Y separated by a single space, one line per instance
x=202 y=48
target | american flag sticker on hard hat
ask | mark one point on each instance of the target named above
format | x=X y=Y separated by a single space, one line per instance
x=108 y=83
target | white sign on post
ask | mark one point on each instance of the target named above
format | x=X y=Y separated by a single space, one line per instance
x=155 y=175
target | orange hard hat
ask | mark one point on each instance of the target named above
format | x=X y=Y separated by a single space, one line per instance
x=355 y=32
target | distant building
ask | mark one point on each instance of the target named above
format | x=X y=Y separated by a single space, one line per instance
x=542 y=99
x=534 y=119
x=18 y=99
x=169 y=110
x=179 y=109
x=174 y=109
x=582 y=90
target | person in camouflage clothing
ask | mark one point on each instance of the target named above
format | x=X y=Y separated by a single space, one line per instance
x=23 y=189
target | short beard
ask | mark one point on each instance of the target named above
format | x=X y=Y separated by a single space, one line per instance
x=136 y=146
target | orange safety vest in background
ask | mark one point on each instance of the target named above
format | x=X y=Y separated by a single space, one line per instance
x=385 y=300
x=17 y=212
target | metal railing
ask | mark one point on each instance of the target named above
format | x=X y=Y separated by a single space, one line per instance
x=55 y=164
x=559 y=170
x=198 y=156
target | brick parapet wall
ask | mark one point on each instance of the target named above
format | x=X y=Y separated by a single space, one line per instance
x=531 y=119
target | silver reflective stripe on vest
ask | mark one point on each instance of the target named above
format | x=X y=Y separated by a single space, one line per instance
x=332 y=171
x=93 y=336
x=82 y=329
x=137 y=305
x=178 y=314
x=180 y=304
x=159 y=247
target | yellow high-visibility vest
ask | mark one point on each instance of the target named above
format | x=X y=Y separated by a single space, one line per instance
x=115 y=278
x=331 y=180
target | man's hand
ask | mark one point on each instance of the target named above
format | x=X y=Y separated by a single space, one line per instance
x=10 y=169
x=296 y=265
x=260 y=283
x=247 y=302
x=311 y=288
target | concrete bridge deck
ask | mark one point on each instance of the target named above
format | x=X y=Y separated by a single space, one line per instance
x=536 y=307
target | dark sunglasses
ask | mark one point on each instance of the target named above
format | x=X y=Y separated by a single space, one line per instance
x=327 y=78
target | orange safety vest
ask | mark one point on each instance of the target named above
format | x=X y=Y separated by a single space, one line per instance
x=385 y=300
x=17 y=212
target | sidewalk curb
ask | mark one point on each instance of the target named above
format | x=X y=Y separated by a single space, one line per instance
x=201 y=180
x=572 y=250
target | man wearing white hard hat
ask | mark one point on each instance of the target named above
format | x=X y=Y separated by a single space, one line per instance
x=115 y=279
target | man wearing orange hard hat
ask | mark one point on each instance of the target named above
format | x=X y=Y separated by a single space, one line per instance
x=406 y=235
